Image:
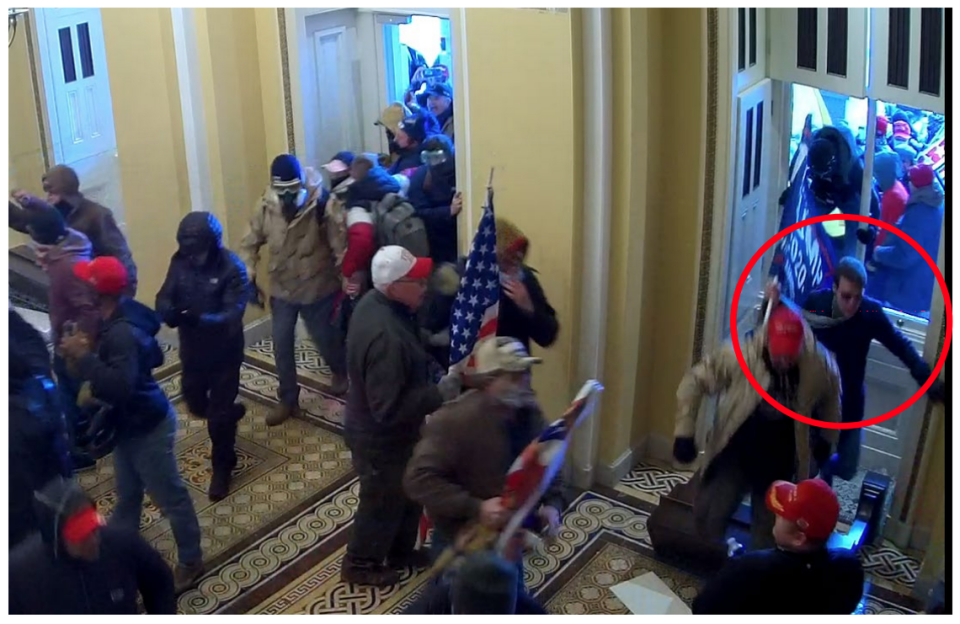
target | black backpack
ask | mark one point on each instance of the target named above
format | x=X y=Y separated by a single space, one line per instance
x=396 y=223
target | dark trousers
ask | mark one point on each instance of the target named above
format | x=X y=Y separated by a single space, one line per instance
x=68 y=389
x=387 y=522
x=210 y=390
x=324 y=330
x=761 y=452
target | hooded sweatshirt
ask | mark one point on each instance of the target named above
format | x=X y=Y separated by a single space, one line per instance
x=44 y=579
x=120 y=370
x=217 y=293
x=70 y=298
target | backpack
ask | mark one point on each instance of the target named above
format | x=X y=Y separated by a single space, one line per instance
x=396 y=223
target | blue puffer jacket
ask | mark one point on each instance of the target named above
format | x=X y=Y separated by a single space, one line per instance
x=908 y=284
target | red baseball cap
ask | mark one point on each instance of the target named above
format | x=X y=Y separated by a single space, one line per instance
x=81 y=525
x=106 y=274
x=784 y=333
x=882 y=124
x=810 y=504
x=901 y=130
x=921 y=175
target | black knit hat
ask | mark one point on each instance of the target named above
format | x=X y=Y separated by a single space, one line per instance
x=286 y=169
x=46 y=226
x=485 y=585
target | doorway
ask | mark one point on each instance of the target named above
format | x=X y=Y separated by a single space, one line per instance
x=353 y=63
x=79 y=107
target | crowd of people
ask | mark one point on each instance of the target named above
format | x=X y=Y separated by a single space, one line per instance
x=363 y=252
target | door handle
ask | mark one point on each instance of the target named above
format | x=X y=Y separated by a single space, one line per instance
x=900 y=322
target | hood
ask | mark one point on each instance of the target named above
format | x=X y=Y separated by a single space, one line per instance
x=148 y=322
x=377 y=184
x=201 y=225
x=54 y=503
x=888 y=168
x=846 y=148
x=75 y=247
x=927 y=196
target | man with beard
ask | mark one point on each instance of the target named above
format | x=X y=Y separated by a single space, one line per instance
x=752 y=443
x=391 y=393
x=846 y=322
x=205 y=295
x=76 y=565
x=433 y=194
x=88 y=217
x=304 y=280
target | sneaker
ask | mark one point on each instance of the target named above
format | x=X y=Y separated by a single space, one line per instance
x=281 y=413
x=185 y=576
x=339 y=385
x=219 y=485
x=417 y=559
x=377 y=576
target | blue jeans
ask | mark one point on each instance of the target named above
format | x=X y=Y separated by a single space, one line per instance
x=68 y=389
x=326 y=335
x=147 y=462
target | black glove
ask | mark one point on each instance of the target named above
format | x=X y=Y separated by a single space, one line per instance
x=172 y=318
x=937 y=391
x=785 y=196
x=190 y=318
x=820 y=449
x=684 y=450
x=867 y=236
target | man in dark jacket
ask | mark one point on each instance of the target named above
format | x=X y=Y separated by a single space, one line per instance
x=440 y=103
x=525 y=313
x=432 y=193
x=77 y=566
x=459 y=467
x=96 y=222
x=846 y=322
x=73 y=304
x=801 y=575
x=390 y=395
x=119 y=373
x=410 y=137
x=38 y=435
x=205 y=295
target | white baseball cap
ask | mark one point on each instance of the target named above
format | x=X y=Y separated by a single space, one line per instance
x=393 y=263
x=502 y=354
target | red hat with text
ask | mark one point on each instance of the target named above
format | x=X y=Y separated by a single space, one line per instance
x=812 y=505
x=921 y=175
x=784 y=333
x=393 y=263
x=106 y=274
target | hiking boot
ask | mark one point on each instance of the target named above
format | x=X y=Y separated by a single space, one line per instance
x=339 y=385
x=281 y=413
x=219 y=485
x=186 y=576
x=377 y=576
x=417 y=559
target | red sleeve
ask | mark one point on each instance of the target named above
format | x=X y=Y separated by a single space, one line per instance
x=361 y=241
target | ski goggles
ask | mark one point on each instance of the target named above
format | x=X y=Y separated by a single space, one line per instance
x=433 y=158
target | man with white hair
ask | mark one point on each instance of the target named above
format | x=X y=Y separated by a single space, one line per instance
x=390 y=394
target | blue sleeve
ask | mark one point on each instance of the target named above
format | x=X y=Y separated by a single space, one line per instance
x=898 y=254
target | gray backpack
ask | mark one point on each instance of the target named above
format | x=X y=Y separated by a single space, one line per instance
x=397 y=223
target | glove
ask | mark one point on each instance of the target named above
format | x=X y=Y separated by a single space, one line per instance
x=190 y=318
x=785 y=196
x=172 y=318
x=867 y=236
x=684 y=450
x=449 y=386
x=937 y=391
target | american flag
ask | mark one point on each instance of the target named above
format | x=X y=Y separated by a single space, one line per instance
x=477 y=306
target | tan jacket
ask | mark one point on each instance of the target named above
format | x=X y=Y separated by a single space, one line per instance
x=719 y=374
x=302 y=263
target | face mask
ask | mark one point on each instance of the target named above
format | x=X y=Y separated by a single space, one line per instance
x=516 y=398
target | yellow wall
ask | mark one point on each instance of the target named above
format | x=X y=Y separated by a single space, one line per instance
x=149 y=128
x=26 y=157
x=933 y=487
x=521 y=110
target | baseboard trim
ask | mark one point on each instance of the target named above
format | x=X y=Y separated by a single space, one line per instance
x=611 y=474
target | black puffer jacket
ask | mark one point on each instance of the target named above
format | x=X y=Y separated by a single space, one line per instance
x=391 y=388
x=408 y=158
x=44 y=579
x=120 y=371
x=38 y=436
x=431 y=193
x=216 y=294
